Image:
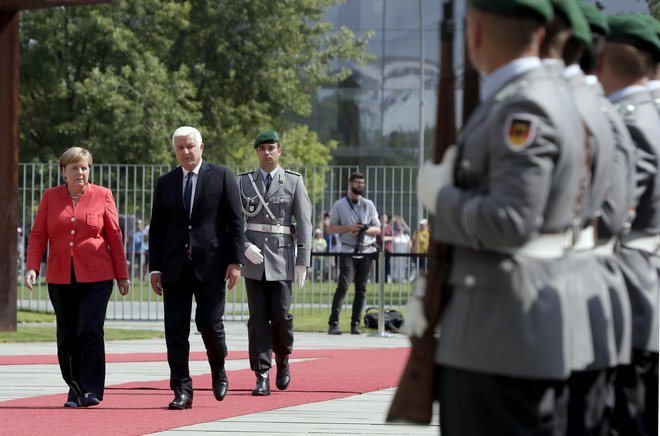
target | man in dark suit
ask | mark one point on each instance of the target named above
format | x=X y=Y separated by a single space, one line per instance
x=195 y=244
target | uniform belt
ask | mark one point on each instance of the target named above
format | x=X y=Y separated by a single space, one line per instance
x=641 y=241
x=545 y=246
x=268 y=228
x=586 y=239
x=605 y=247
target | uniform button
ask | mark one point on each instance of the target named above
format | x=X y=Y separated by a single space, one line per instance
x=72 y=219
x=265 y=239
x=73 y=232
x=189 y=227
x=70 y=244
x=267 y=202
x=469 y=281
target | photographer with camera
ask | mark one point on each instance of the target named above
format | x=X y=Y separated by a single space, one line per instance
x=356 y=221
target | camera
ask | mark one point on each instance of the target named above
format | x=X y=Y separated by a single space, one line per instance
x=360 y=239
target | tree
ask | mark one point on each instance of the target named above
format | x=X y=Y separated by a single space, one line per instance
x=119 y=78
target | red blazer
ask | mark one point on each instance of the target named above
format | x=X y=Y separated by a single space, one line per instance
x=89 y=233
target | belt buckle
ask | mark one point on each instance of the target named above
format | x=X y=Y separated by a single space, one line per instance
x=267 y=228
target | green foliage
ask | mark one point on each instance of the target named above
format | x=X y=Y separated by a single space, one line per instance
x=119 y=78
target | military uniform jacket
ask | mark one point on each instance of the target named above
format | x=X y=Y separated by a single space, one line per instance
x=641 y=267
x=592 y=321
x=287 y=198
x=517 y=176
x=614 y=221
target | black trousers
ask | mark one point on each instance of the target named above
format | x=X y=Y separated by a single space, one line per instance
x=177 y=299
x=478 y=404
x=350 y=268
x=80 y=312
x=636 y=388
x=270 y=326
x=591 y=402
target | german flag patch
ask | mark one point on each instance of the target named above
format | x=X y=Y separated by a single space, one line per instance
x=519 y=131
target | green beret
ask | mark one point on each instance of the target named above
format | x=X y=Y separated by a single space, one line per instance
x=635 y=30
x=267 y=137
x=595 y=18
x=538 y=9
x=571 y=11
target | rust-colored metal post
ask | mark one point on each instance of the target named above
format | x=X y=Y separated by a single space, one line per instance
x=9 y=65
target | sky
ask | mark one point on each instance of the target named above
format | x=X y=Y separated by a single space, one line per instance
x=616 y=6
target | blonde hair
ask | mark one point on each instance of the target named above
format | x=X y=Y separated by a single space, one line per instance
x=73 y=155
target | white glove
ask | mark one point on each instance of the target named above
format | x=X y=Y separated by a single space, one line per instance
x=301 y=275
x=253 y=254
x=432 y=178
x=415 y=324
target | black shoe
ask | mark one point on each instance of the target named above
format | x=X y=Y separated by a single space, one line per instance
x=88 y=400
x=220 y=384
x=355 y=329
x=181 y=402
x=283 y=377
x=71 y=404
x=262 y=389
x=334 y=330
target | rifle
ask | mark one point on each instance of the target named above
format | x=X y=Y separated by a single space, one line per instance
x=413 y=400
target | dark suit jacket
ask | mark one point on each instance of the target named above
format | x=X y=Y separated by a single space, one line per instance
x=215 y=228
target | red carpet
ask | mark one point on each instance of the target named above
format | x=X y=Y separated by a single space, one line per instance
x=140 y=407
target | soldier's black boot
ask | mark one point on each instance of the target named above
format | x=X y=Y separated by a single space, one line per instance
x=283 y=377
x=262 y=389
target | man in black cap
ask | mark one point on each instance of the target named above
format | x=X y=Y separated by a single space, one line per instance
x=273 y=200
x=506 y=206
x=631 y=51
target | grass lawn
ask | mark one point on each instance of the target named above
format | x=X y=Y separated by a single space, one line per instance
x=309 y=321
x=46 y=332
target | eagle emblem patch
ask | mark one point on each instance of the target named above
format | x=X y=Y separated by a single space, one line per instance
x=519 y=131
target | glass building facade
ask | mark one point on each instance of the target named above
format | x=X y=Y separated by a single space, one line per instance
x=375 y=113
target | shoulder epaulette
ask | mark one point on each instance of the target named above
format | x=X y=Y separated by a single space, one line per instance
x=245 y=173
x=293 y=172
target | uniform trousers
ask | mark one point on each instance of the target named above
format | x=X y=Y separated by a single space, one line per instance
x=270 y=326
x=177 y=299
x=80 y=310
x=479 y=404
x=636 y=387
x=351 y=267
x=591 y=402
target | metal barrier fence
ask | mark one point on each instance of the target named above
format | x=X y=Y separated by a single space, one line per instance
x=391 y=189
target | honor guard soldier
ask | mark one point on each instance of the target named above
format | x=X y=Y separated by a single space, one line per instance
x=631 y=51
x=654 y=78
x=505 y=200
x=591 y=325
x=278 y=236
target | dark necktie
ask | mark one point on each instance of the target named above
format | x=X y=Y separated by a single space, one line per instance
x=268 y=180
x=187 y=193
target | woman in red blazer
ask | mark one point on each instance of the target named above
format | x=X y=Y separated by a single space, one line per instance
x=79 y=223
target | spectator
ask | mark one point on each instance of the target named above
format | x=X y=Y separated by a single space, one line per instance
x=420 y=242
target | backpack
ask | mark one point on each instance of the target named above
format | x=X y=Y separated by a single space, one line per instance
x=393 y=319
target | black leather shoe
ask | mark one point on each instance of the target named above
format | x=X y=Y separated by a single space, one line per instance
x=181 y=402
x=283 y=377
x=334 y=330
x=355 y=330
x=71 y=404
x=88 y=400
x=262 y=389
x=220 y=384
